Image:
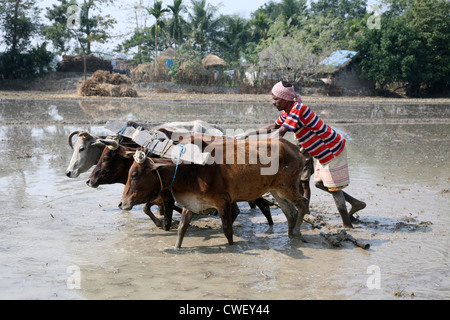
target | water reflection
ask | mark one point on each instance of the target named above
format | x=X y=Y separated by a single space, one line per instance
x=218 y=112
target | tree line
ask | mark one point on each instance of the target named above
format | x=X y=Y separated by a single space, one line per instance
x=410 y=46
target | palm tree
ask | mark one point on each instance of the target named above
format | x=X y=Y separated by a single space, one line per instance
x=177 y=23
x=157 y=11
x=235 y=38
x=204 y=25
x=261 y=25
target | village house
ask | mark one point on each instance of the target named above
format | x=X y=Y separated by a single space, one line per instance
x=343 y=76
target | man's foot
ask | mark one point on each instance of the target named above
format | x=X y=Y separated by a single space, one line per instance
x=356 y=206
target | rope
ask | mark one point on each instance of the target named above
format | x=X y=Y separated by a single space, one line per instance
x=151 y=151
x=159 y=176
x=122 y=130
x=165 y=149
x=183 y=149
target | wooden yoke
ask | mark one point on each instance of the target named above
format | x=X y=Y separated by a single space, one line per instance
x=158 y=143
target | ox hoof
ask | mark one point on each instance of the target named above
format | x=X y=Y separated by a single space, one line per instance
x=295 y=233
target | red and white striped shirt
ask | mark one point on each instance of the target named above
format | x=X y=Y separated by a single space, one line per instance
x=319 y=139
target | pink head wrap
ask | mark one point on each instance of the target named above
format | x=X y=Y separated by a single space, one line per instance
x=286 y=93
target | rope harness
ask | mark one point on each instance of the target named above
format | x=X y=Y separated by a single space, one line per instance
x=140 y=156
x=183 y=149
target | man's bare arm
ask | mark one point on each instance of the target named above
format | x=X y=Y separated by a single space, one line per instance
x=266 y=129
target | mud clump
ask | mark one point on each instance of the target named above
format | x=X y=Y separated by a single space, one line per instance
x=334 y=239
x=104 y=84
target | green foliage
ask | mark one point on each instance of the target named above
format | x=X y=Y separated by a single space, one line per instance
x=235 y=37
x=57 y=32
x=204 y=26
x=177 y=25
x=19 y=23
x=412 y=48
x=346 y=9
x=94 y=27
x=26 y=65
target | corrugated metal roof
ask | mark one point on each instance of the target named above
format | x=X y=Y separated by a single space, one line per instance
x=338 y=58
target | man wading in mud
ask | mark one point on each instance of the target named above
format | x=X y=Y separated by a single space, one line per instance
x=320 y=141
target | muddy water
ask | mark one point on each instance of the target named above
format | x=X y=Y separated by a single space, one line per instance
x=62 y=240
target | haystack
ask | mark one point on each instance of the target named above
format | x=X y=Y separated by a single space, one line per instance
x=104 y=84
x=76 y=64
x=145 y=72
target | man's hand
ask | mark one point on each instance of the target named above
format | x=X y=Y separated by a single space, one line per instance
x=241 y=136
x=245 y=135
x=279 y=133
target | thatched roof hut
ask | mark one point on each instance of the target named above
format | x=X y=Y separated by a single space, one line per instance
x=212 y=61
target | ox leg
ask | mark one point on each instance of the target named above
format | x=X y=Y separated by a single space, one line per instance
x=227 y=221
x=265 y=209
x=302 y=205
x=186 y=217
x=149 y=212
x=177 y=209
x=289 y=211
x=235 y=211
x=168 y=206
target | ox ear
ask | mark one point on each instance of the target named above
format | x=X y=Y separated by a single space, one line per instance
x=158 y=166
x=98 y=143
x=129 y=154
x=110 y=143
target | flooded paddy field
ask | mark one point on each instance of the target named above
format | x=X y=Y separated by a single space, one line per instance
x=61 y=239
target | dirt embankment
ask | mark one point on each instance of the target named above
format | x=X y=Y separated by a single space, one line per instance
x=143 y=95
x=65 y=85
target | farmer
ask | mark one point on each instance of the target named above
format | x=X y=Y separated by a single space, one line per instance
x=319 y=140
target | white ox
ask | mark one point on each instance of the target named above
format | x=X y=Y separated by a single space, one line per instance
x=88 y=149
x=86 y=152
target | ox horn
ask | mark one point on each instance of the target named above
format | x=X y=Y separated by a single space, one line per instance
x=70 y=138
x=110 y=143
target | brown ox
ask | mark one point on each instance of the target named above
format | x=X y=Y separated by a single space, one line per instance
x=113 y=167
x=217 y=186
x=115 y=162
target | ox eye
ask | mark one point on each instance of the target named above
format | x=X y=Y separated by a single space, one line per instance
x=134 y=176
x=105 y=159
x=81 y=149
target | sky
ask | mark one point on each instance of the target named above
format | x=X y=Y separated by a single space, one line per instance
x=122 y=11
